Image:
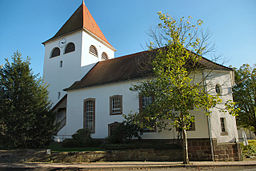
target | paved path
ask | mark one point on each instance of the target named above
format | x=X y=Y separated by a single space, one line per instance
x=129 y=165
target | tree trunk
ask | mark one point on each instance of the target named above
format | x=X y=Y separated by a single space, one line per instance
x=185 y=147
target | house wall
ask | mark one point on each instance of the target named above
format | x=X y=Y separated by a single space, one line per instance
x=224 y=79
x=102 y=93
x=75 y=64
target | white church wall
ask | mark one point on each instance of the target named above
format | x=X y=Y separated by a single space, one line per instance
x=88 y=58
x=224 y=79
x=58 y=77
x=74 y=64
x=101 y=94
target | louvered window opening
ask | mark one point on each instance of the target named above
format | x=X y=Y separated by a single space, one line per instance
x=70 y=48
x=55 y=52
x=93 y=50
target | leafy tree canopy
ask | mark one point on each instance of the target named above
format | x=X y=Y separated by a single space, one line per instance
x=174 y=89
x=25 y=116
x=244 y=93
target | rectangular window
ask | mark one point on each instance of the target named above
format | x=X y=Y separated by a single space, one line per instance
x=116 y=105
x=192 y=126
x=144 y=101
x=89 y=114
x=59 y=95
x=61 y=118
x=61 y=64
x=223 y=126
x=112 y=128
x=222 y=123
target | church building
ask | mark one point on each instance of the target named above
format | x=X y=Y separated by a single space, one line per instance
x=90 y=88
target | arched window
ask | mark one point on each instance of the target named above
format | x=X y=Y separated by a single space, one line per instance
x=104 y=56
x=55 y=52
x=70 y=47
x=218 y=89
x=93 y=50
x=89 y=114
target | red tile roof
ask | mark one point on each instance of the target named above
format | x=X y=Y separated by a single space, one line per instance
x=127 y=67
x=81 y=19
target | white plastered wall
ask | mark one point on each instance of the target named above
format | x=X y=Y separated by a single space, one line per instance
x=224 y=79
x=88 y=58
x=75 y=64
x=58 y=77
x=101 y=94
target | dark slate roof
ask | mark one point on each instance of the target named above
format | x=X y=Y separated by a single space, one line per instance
x=127 y=67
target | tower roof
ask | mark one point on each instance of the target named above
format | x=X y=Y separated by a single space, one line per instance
x=81 y=19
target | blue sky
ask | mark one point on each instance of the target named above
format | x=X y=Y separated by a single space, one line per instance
x=25 y=24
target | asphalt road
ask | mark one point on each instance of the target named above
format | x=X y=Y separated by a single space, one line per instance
x=134 y=166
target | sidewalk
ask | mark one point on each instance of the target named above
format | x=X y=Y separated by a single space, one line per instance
x=129 y=165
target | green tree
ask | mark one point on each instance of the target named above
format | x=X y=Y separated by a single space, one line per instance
x=174 y=90
x=25 y=116
x=244 y=93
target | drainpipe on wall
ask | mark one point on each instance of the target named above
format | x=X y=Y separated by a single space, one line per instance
x=209 y=125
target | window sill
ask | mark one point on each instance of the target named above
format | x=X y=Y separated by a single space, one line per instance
x=68 y=52
x=115 y=113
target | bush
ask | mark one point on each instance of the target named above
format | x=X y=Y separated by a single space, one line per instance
x=69 y=143
x=124 y=132
x=249 y=150
x=82 y=138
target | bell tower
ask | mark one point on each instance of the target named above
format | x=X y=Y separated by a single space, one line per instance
x=73 y=51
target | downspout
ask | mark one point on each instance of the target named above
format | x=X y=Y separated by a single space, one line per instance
x=209 y=124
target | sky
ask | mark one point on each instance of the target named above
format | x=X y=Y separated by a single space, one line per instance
x=25 y=24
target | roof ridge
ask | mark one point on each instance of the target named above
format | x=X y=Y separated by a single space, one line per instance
x=125 y=56
x=81 y=19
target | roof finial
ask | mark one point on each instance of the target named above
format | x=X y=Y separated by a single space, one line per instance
x=83 y=2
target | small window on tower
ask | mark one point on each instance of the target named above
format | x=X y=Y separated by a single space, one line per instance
x=104 y=56
x=58 y=95
x=55 y=52
x=70 y=47
x=61 y=64
x=218 y=89
x=223 y=126
x=93 y=51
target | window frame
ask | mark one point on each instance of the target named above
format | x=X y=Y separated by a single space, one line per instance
x=96 y=51
x=70 y=43
x=61 y=64
x=104 y=53
x=218 y=87
x=85 y=114
x=55 y=48
x=141 y=109
x=111 y=98
x=192 y=126
x=223 y=125
x=63 y=121
x=112 y=126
